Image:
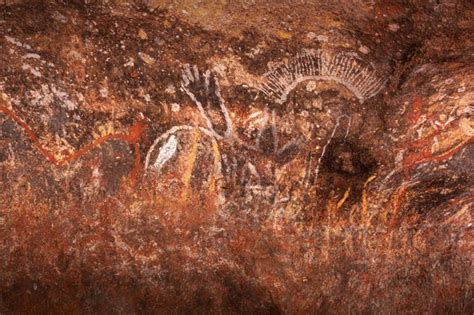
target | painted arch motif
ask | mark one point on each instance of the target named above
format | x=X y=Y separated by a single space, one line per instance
x=188 y=149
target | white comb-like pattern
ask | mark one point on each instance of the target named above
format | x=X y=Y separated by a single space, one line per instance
x=363 y=81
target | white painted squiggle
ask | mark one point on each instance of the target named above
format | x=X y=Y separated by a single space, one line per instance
x=170 y=148
x=166 y=152
x=333 y=133
x=166 y=135
x=363 y=81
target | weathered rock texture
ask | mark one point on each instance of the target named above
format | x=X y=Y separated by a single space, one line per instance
x=236 y=157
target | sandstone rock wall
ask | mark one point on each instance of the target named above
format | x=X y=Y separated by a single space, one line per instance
x=236 y=157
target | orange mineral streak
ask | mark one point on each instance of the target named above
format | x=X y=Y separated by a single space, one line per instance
x=415 y=112
x=396 y=200
x=132 y=137
x=387 y=9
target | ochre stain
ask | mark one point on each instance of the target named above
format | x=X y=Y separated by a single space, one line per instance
x=386 y=9
x=283 y=35
x=365 y=215
x=341 y=202
x=214 y=176
x=189 y=164
x=396 y=202
x=415 y=112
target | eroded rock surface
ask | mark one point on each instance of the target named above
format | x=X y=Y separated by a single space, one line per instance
x=236 y=157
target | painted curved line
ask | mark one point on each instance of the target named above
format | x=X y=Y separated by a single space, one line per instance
x=217 y=167
x=362 y=81
x=294 y=84
x=132 y=138
x=412 y=160
x=170 y=132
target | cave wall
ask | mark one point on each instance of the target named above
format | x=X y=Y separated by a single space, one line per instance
x=236 y=156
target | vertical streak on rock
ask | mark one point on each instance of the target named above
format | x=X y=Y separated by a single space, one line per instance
x=190 y=163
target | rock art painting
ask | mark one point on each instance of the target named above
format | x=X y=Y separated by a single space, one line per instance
x=236 y=157
x=204 y=91
x=320 y=65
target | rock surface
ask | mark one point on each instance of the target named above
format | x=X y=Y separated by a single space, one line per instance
x=236 y=157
